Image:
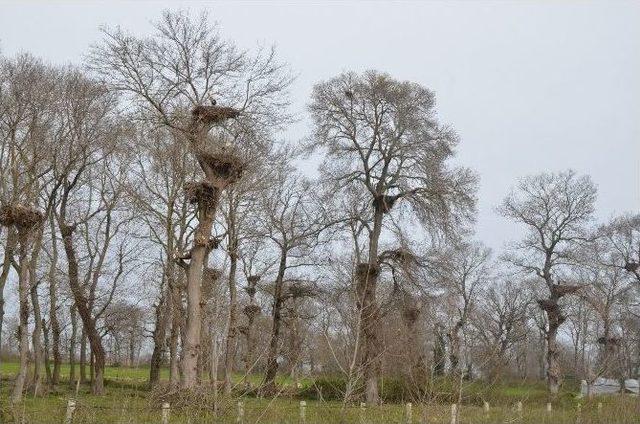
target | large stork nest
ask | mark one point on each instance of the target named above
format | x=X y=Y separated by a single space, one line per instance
x=214 y=114
x=384 y=203
x=611 y=341
x=364 y=269
x=200 y=193
x=549 y=305
x=252 y=310
x=297 y=290
x=561 y=290
x=225 y=165
x=20 y=216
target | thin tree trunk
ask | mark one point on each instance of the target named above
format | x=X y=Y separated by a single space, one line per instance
x=83 y=356
x=232 y=330
x=53 y=308
x=9 y=249
x=72 y=345
x=36 y=338
x=23 y=329
x=163 y=312
x=47 y=352
x=269 y=385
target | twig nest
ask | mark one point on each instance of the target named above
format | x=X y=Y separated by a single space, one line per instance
x=631 y=266
x=298 y=290
x=366 y=269
x=20 y=216
x=253 y=279
x=548 y=305
x=211 y=275
x=410 y=314
x=384 y=203
x=401 y=255
x=200 y=193
x=564 y=289
x=252 y=310
x=243 y=329
x=225 y=167
x=611 y=341
x=214 y=114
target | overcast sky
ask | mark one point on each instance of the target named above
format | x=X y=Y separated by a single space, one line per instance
x=529 y=86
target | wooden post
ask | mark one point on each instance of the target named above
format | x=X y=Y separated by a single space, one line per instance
x=71 y=407
x=599 y=407
x=363 y=407
x=578 y=414
x=549 y=407
x=519 y=409
x=408 y=415
x=240 y=418
x=454 y=413
x=303 y=412
x=485 y=407
x=165 y=413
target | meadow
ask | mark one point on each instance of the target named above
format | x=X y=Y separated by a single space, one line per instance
x=128 y=401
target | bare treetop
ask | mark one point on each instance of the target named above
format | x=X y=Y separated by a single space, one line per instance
x=186 y=64
x=383 y=134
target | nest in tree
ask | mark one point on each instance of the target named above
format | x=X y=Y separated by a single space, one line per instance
x=210 y=275
x=214 y=114
x=253 y=279
x=549 y=306
x=364 y=269
x=251 y=290
x=631 y=266
x=401 y=255
x=564 y=289
x=298 y=290
x=20 y=216
x=252 y=310
x=611 y=341
x=226 y=166
x=384 y=203
x=410 y=314
x=243 y=329
x=200 y=192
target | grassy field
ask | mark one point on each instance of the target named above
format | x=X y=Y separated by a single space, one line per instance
x=128 y=401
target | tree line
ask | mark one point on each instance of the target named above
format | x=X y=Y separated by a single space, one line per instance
x=148 y=204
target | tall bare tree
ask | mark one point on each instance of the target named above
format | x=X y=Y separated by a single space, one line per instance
x=382 y=140
x=555 y=209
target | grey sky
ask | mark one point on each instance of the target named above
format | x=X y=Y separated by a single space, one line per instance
x=529 y=86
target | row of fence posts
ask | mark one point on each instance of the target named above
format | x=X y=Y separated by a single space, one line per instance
x=408 y=412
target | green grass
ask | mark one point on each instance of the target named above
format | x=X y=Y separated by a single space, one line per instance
x=128 y=401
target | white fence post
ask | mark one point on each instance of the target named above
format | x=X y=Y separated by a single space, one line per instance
x=165 y=413
x=454 y=413
x=303 y=412
x=71 y=407
x=240 y=418
x=549 y=407
x=363 y=407
x=408 y=413
x=485 y=407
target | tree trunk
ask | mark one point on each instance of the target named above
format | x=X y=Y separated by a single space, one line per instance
x=83 y=357
x=36 y=339
x=47 y=352
x=269 y=384
x=176 y=323
x=88 y=322
x=54 y=324
x=163 y=311
x=9 y=250
x=72 y=346
x=199 y=253
x=23 y=329
x=554 y=374
x=232 y=328
x=454 y=348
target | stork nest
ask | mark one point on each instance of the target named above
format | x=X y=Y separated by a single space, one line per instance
x=612 y=341
x=20 y=216
x=384 y=203
x=226 y=166
x=210 y=275
x=252 y=310
x=549 y=306
x=200 y=193
x=214 y=114
x=251 y=290
x=253 y=279
x=363 y=269
x=410 y=314
x=631 y=266
x=298 y=290
x=564 y=289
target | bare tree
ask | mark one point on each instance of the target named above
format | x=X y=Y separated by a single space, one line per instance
x=182 y=66
x=382 y=140
x=555 y=209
